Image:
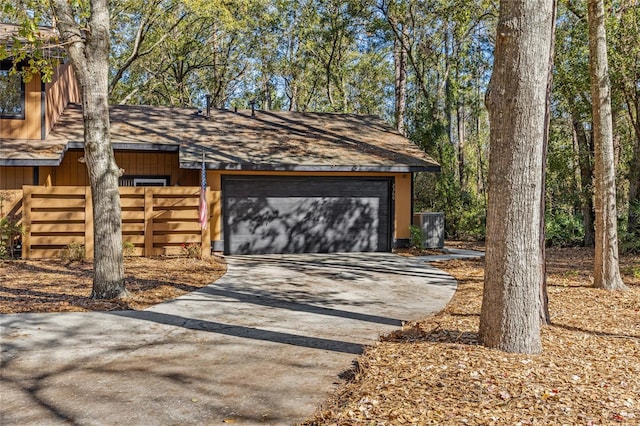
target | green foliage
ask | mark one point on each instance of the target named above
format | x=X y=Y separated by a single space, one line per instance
x=10 y=231
x=191 y=250
x=563 y=229
x=128 y=248
x=634 y=271
x=416 y=237
x=629 y=235
x=74 y=252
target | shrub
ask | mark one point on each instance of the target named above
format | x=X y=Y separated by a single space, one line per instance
x=191 y=250
x=74 y=252
x=629 y=233
x=563 y=229
x=128 y=248
x=10 y=231
x=415 y=237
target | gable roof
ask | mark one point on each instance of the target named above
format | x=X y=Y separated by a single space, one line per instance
x=237 y=141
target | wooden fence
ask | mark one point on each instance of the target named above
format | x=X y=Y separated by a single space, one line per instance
x=155 y=220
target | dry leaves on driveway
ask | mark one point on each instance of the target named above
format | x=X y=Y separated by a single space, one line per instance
x=434 y=372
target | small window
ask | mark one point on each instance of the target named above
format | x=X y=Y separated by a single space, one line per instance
x=144 y=180
x=149 y=182
x=11 y=94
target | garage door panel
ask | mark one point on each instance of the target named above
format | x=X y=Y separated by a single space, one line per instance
x=283 y=216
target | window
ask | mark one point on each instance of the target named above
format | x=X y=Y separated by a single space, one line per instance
x=149 y=182
x=144 y=180
x=11 y=94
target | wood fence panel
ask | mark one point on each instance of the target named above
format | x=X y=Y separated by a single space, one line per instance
x=155 y=220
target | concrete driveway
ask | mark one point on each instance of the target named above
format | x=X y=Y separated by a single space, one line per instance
x=265 y=344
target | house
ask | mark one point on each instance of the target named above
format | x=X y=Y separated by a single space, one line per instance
x=279 y=182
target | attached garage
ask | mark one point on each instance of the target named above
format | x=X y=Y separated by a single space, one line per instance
x=306 y=214
x=277 y=181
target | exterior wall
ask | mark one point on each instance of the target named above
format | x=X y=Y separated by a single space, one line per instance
x=15 y=177
x=402 y=216
x=134 y=163
x=29 y=127
x=62 y=90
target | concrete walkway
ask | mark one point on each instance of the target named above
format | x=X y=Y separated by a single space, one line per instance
x=265 y=344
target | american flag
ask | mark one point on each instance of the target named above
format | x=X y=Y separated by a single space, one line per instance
x=203 y=215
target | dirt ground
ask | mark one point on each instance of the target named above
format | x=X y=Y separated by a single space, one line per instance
x=57 y=286
x=434 y=371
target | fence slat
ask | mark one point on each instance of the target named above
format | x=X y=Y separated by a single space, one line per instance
x=88 y=223
x=26 y=221
x=148 y=222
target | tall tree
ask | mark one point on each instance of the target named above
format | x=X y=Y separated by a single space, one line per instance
x=83 y=29
x=606 y=268
x=516 y=100
x=87 y=44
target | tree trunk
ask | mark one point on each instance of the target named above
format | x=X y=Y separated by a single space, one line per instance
x=89 y=57
x=606 y=268
x=462 y=136
x=516 y=101
x=633 y=224
x=585 y=154
x=545 y=317
x=400 y=61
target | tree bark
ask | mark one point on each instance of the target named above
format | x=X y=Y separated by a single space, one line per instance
x=516 y=100
x=585 y=163
x=400 y=62
x=88 y=52
x=545 y=317
x=606 y=268
x=633 y=216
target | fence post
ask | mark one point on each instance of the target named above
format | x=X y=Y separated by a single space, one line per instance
x=26 y=221
x=148 y=222
x=88 y=223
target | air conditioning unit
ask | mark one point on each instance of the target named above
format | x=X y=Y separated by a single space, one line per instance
x=432 y=226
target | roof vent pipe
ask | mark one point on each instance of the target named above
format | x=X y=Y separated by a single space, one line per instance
x=208 y=97
x=253 y=107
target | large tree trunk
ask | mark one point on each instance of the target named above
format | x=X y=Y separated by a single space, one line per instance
x=88 y=53
x=606 y=269
x=516 y=100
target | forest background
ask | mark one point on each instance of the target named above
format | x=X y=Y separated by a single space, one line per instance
x=422 y=65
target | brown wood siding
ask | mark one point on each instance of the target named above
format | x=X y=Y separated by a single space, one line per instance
x=71 y=172
x=29 y=127
x=138 y=163
x=62 y=90
x=134 y=163
x=15 y=177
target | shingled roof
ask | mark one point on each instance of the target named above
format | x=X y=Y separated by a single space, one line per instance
x=238 y=141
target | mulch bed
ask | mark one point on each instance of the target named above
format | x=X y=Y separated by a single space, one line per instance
x=57 y=286
x=434 y=371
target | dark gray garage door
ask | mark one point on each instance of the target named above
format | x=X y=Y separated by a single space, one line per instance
x=306 y=215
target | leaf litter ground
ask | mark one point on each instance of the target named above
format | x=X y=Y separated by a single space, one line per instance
x=57 y=286
x=434 y=372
